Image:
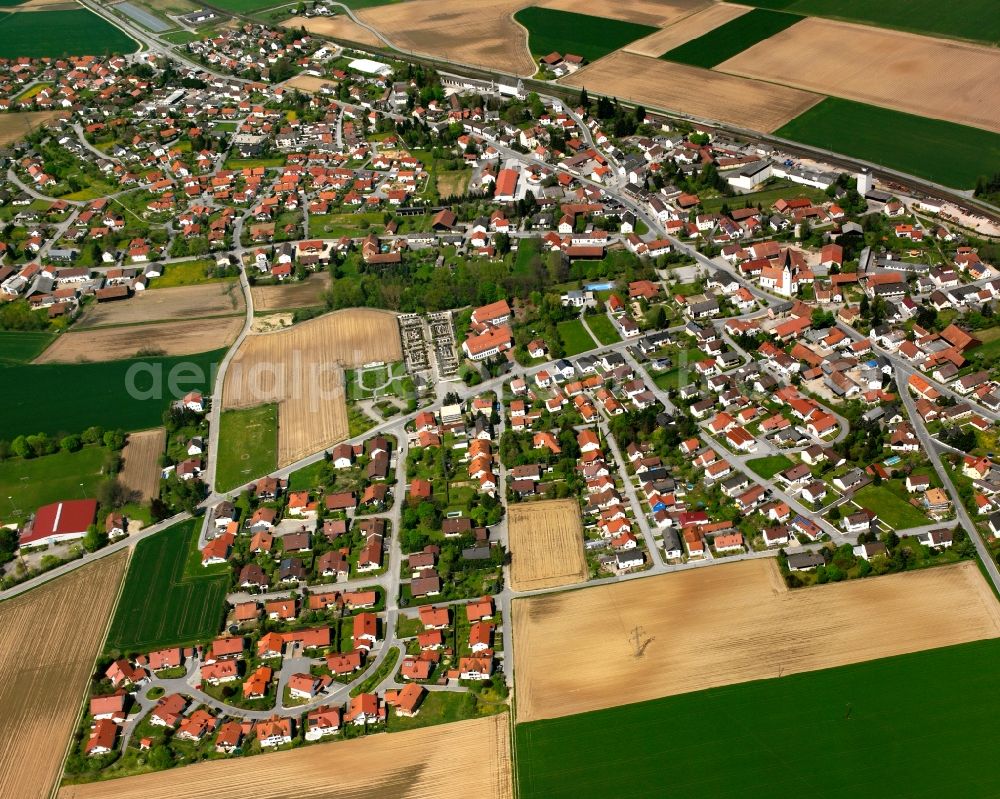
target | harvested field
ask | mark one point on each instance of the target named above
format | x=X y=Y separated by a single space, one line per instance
x=481 y=34
x=339 y=27
x=174 y=304
x=697 y=92
x=141 y=462
x=916 y=74
x=51 y=637
x=690 y=27
x=546 y=543
x=17 y=125
x=164 y=338
x=646 y=12
x=705 y=628
x=467 y=758
x=301 y=369
x=302 y=294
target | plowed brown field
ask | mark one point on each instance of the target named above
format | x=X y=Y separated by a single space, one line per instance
x=704 y=628
x=467 y=758
x=546 y=544
x=339 y=27
x=917 y=74
x=17 y=125
x=303 y=294
x=697 y=92
x=141 y=462
x=481 y=34
x=300 y=369
x=172 y=304
x=686 y=29
x=52 y=635
x=485 y=34
x=167 y=338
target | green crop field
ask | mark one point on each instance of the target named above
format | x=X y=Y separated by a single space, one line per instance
x=169 y=598
x=602 y=327
x=39 y=481
x=575 y=337
x=768 y=466
x=733 y=37
x=60 y=33
x=976 y=20
x=946 y=153
x=22 y=347
x=68 y=398
x=892 y=508
x=246 y=6
x=550 y=30
x=861 y=730
x=248 y=446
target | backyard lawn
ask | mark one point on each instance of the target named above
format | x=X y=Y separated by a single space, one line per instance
x=768 y=466
x=602 y=327
x=887 y=500
x=575 y=337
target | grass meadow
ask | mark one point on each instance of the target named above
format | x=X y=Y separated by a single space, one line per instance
x=33 y=482
x=248 y=446
x=854 y=730
x=169 y=598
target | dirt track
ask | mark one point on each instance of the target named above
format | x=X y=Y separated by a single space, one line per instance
x=575 y=651
x=167 y=338
x=918 y=74
x=467 y=758
x=51 y=637
x=546 y=544
x=698 y=92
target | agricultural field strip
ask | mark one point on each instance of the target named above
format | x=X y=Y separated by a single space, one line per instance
x=546 y=542
x=904 y=71
x=141 y=462
x=464 y=758
x=656 y=83
x=731 y=623
x=128 y=341
x=52 y=636
x=686 y=29
x=731 y=38
x=293 y=368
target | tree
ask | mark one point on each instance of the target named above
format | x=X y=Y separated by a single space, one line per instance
x=71 y=443
x=19 y=446
x=584 y=99
x=114 y=439
x=94 y=539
